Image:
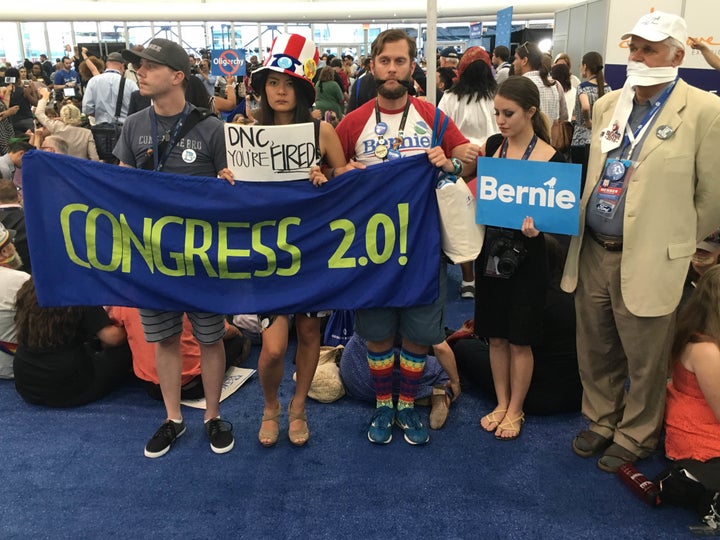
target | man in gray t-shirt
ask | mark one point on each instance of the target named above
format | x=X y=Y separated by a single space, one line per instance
x=157 y=138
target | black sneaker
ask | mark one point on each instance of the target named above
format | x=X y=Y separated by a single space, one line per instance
x=163 y=439
x=220 y=434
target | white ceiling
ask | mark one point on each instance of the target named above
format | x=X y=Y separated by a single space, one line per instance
x=298 y=11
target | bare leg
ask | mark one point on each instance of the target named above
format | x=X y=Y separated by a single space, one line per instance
x=270 y=371
x=468 y=271
x=168 y=363
x=212 y=358
x=521 y=370
x=500 y=367
x=306 y=361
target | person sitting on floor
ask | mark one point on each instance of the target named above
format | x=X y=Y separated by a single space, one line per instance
x=66 y=356
x=438 y=382
x=237 y=349
x=12 y=216
x=692 y=406
x=11 y=279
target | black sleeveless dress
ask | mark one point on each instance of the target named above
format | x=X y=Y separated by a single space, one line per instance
x=512 y=308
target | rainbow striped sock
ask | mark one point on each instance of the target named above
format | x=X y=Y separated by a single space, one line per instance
x=381 y=370
x=411 y=368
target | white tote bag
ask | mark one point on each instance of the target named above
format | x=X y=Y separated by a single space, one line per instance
x=461 y=238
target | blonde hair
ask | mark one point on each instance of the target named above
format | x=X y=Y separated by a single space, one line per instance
x=71 y=115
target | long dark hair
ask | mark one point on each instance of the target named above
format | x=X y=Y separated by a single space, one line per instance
x=699 y=319
x=476 y=82
x=523 y=91
x=594 y=64
x=561 y=73
x=40 y=327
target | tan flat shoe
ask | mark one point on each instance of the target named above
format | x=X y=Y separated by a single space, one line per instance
x=297 y=436
x=268 y=437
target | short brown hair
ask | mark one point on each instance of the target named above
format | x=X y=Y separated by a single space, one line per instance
x=391 y=36
x=8 y=192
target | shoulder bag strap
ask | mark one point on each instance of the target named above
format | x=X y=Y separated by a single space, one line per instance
x=118 y=105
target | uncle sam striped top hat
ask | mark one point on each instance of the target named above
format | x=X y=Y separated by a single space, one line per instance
x=294 y=55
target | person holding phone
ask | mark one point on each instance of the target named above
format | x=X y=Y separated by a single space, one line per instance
x=24 y=97
x=65 y=80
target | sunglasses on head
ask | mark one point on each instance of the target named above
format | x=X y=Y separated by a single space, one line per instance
x=525 y=46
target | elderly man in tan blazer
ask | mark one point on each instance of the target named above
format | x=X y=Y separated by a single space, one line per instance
x=653 y=191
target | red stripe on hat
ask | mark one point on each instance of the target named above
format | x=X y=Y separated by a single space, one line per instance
x=295 y=46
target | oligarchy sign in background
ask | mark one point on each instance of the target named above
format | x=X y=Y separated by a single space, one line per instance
x=106 y=235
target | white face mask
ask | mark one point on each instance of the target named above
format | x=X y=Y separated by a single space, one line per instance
x=639 y=74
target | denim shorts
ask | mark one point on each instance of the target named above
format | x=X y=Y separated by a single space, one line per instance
x=422 y=325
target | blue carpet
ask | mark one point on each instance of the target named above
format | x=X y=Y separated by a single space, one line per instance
x=81 y=473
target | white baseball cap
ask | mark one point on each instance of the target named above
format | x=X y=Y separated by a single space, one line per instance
x=658 y=25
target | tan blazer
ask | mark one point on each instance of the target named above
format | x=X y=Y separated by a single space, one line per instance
x=672 y=202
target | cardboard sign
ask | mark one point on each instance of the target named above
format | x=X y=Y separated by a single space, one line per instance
x=508 y=190
x=270 y=153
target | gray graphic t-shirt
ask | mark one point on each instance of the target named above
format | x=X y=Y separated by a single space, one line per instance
x=201 y=152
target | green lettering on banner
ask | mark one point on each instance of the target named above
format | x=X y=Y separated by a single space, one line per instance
x=91 y=240
x=224 y=251
x=200 y=251
x=65 y=226
x=295 y=255
x=156 y=237
x=144 y=248
x=338 y=260
x=259 y=247
x=371 y=240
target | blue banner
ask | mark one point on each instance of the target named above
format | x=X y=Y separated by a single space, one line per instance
x=510 y=189
x=106 y=235
x=228 y=62
x=503 y=28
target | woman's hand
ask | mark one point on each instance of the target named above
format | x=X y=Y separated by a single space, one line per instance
x=316 y=176
x=227 y=175
x=528 y=227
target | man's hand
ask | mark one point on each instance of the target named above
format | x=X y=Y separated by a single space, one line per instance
x=436 y=156
x=528 y=227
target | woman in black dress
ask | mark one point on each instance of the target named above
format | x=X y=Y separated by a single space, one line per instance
x=511 y=272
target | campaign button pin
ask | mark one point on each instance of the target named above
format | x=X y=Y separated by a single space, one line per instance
x=664 y=132
x=394 y=154
x=381 y=128
x=189 y=156
x=615 y=170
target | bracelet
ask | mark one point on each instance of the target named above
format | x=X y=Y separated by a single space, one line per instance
x=332 y=173
x=457 y=166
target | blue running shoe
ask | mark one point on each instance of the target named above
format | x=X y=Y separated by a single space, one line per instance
x=415 y=431
x=380 y=431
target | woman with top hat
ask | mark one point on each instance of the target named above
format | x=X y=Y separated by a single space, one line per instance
x=287 y=93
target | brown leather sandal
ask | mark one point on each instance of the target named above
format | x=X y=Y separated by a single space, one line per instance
x=268 y=437
x=297 y=436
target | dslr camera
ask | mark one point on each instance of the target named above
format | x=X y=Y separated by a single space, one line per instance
x=510 y=251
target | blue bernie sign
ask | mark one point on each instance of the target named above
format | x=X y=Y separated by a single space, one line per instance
x=510 y=189
x=107 y=235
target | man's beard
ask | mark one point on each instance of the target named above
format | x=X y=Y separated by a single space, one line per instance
x=395 y=93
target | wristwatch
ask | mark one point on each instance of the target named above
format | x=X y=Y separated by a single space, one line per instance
x=457 y=166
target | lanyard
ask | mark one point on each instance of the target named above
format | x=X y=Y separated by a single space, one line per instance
x=528 y=150
x=159 y=161
x=401 y=129
x=631 y=138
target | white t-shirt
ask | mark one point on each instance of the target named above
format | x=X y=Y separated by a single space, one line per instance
x=476 y=120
